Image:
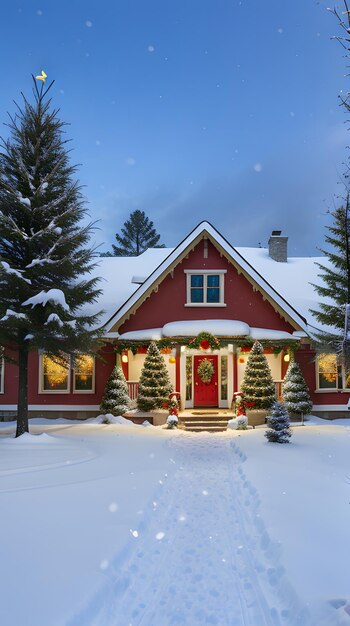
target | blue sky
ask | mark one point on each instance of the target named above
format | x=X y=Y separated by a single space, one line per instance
x=223 y=110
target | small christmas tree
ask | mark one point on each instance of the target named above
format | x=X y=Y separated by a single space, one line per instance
x=258 y=386
x=154 y=384
x=278 y=422
x=116 y=397
x=296 y=394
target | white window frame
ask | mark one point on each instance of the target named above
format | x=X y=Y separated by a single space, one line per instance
x=330 y=389
x=205 y=273
x=85 y=391
x=41 y=378
x=2 y=375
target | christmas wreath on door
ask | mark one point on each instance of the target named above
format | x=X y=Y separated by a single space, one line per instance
x=206 y=371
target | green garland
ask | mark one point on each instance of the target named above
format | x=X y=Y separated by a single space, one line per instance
x=214 y=342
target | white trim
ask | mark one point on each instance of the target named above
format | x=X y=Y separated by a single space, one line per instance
x=53 y=407
x=330 y=407
x=41 y=389
x=2 y=374
x=92 y=390
x=205 y=304
x=203 y=229
x=205 y=273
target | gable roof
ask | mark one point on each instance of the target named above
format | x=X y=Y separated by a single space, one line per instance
x=173 y=256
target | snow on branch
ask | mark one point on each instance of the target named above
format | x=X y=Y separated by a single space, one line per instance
x=18 y=273
x=56 y=296
x=10 y=313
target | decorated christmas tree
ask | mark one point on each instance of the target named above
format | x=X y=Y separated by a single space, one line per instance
x=258 y=386
x=45 y=258
x=154 y=384
x=296 y=394
x=278 y=423
x=116 y=397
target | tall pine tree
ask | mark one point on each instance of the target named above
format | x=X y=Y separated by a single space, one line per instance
x=138 y=234
x=334 y=313
x=257 y=385
x=44 y=261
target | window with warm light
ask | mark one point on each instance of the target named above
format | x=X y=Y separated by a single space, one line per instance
x=84 y=369
x=205 y=288
x=329 y=373
x=54 y=374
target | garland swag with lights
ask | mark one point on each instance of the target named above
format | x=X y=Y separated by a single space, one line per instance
x=204 y=341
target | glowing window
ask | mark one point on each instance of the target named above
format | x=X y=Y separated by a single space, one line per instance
x=84 y=367
x=55 y=374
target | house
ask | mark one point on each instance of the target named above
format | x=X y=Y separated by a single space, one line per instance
x=202 y=299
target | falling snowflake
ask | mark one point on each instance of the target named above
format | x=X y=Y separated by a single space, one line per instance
x=258 y=167
x=160 y=536
x=113 y=507
x=39 y=12
x=130 y=161
x=151 y=48
x=88 y=23
x=182 y=518
x=104 y=564
x=280 y=31
x=134 y=533
x=98 y=143
x=205 y=492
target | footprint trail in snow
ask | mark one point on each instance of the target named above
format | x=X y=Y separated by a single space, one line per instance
x=203 y=556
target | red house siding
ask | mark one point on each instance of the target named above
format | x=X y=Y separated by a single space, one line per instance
x=103 y=369
x=242 y=302
x=306 y=359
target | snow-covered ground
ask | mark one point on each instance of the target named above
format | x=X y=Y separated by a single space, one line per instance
x=118 y=525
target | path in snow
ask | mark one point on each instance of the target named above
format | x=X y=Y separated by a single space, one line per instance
x=202 y=554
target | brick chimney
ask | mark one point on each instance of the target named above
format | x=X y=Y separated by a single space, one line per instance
x=278 y=247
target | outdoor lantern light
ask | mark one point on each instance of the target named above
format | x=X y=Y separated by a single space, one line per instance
x=286 y=358
x=172 y=359
x=125 y=358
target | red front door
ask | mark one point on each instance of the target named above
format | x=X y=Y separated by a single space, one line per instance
x=205 y=394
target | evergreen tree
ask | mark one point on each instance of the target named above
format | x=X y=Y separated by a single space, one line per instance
x=335 y=287
x=138 y=234
x=44 y=261
x=154 y=383
x=257 y=385
x=278 y=423
x=116 y=396
x=296 y=394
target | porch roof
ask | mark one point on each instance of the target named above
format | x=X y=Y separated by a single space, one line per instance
x=219 y=328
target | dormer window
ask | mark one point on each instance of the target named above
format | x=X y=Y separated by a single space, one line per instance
x=205 y=287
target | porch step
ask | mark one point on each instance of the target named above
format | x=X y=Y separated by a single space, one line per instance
x=200 y=425
x=204 y=417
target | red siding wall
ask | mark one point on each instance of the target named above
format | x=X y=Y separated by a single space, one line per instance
x=103 y=369
x=167 y=305
x=306 y=359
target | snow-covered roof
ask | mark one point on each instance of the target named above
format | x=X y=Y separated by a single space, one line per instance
x=118 y=278
x=219 y=328
x=293 y=280
x=126 y=279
